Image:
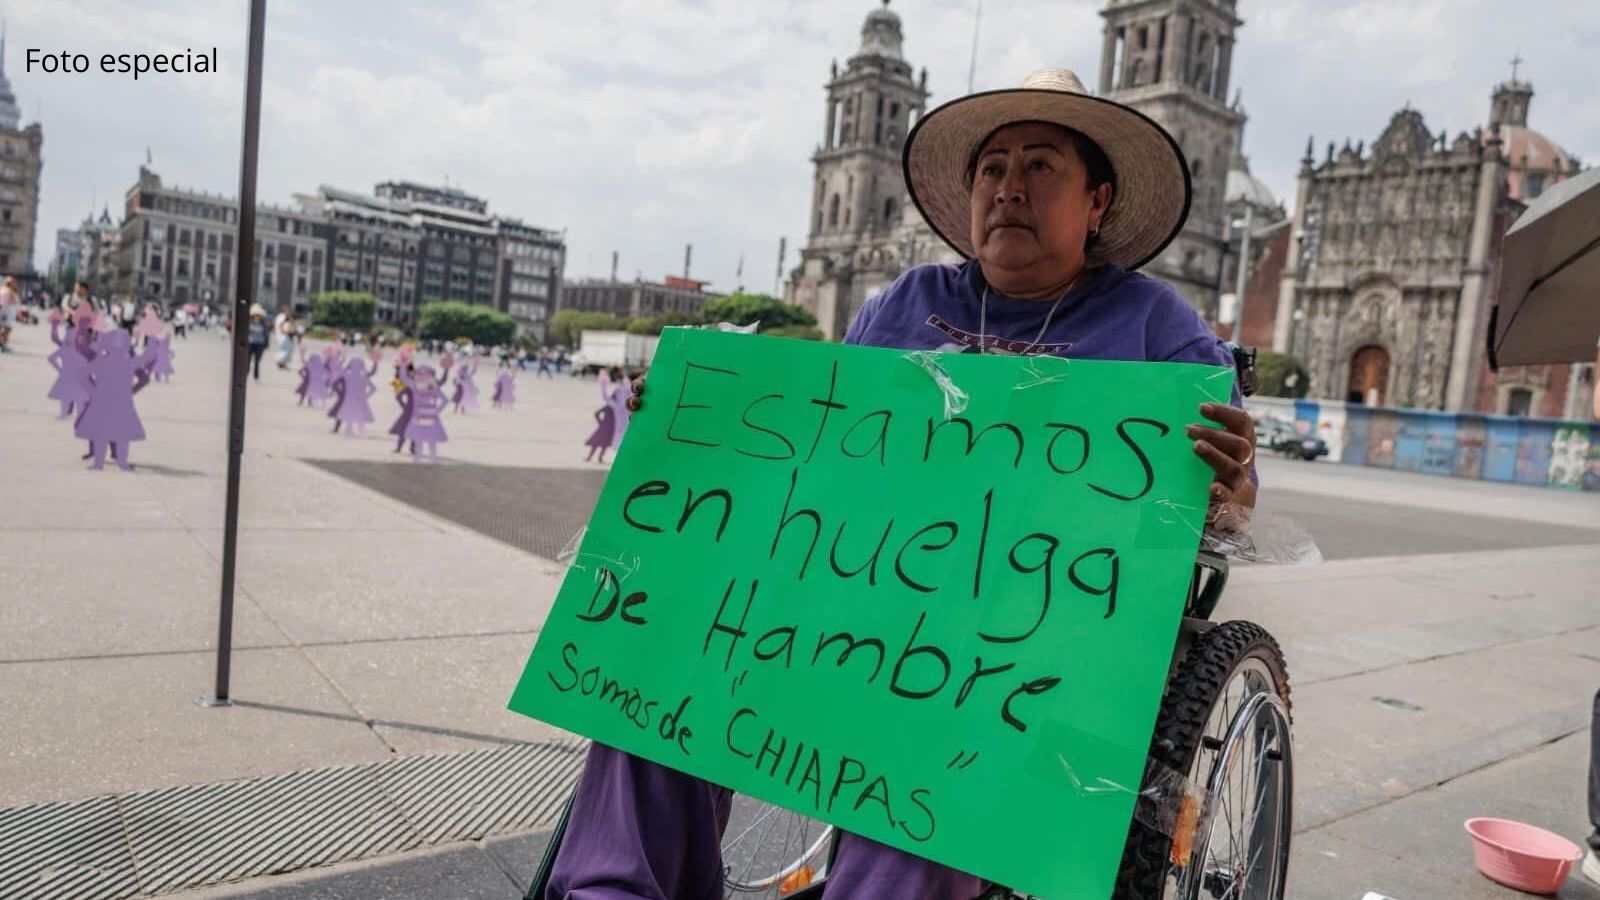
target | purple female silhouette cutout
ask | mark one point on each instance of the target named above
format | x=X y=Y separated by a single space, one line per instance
x=304 y=387
x=505 y=388
x=600 y=439
x=403 y=370
x=466 y=396
x=314 y=375
x=71 y=361
x=617 y=399
x=353 y=387
x=612 y=416
x=150 y=326
x=425 y=430
x=162 y=348
x=109 y=420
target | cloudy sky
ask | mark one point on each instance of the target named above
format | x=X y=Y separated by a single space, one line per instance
x=642 y=125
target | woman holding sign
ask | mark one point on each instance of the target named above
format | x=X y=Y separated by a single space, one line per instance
x=1054 y=197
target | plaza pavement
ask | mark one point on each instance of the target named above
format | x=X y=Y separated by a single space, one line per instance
x=1428 y=687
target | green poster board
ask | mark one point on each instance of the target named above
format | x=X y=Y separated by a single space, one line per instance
x=804 y=582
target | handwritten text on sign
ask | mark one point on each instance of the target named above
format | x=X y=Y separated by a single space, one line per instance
x=804 y=582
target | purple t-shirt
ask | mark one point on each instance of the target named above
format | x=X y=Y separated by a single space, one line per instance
x=1112 y=314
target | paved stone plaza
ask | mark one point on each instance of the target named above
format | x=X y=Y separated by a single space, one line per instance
x=1443 y=659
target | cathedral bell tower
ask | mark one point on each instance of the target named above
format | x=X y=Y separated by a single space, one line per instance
x=858 y=199
x=1171 y=60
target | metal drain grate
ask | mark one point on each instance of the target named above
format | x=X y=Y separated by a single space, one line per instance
x=160 y=841
x=57 y=851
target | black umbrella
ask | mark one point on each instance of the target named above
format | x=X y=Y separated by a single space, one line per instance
x=1549 y=300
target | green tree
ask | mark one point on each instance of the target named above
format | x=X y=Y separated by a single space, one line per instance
x=567 y=324
x=452 y=320
x=344 y=309
x=668 y=319
x=1273 y=371
x=742 y=309
x=803 y=332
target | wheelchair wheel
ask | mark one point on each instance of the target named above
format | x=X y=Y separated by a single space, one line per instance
x=770 y=852
x=1224 y=724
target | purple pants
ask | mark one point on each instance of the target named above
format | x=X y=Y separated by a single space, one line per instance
x=640 y=831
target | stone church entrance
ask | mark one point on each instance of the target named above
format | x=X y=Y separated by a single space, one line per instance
x=1369 y=376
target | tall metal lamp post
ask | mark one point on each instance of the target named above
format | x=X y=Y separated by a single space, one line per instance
x=243 y=291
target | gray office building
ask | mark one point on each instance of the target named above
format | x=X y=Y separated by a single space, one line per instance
x=410 y=244
x=177 y=246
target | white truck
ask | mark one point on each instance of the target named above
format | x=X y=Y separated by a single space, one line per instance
x=603 y=349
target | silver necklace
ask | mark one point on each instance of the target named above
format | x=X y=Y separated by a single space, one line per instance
x=983 y=317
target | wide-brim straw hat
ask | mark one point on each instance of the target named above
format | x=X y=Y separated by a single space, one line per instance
x=1151 y=189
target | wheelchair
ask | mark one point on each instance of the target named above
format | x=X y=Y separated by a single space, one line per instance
x=1213 y=815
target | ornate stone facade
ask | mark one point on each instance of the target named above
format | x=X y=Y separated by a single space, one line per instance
x=864 y=230
x=1171 y=60
x=1386 y=291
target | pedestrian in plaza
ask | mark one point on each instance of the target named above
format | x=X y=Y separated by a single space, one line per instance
x=1052 y=196
x=425 y=428
x=283 y=329
x=10 y=305
x=544 y=365
x=127 y=315
x=257 y=338
x=109 y=419
x=180 y=322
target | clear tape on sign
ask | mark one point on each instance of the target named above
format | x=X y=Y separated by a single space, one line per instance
x=1214 y=385
x=730 y=327
x=1040 y=371
x=1249 y=535
x=622 y=564
x=955 y=399
x=1166 y=802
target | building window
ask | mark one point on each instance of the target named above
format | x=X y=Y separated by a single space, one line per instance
x=300 y=284
x=155 y=262
x=1535 y=187
x=211 y=271
x=266 y=278
x=1519 y=402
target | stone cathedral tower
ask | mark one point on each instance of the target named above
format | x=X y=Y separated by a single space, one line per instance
x=862 y=230
x=1170 y=59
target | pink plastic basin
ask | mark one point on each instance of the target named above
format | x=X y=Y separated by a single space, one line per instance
x=1522 y=856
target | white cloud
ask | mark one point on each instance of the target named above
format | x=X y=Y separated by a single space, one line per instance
x=642 y=125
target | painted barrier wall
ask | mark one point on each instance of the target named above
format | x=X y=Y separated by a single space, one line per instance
x=1545 y=452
